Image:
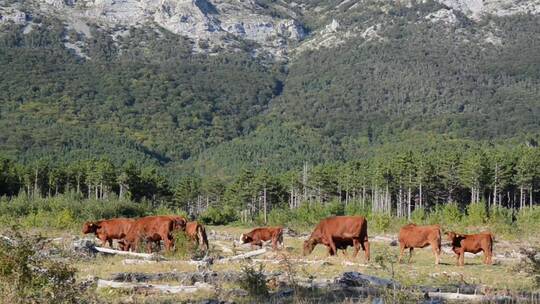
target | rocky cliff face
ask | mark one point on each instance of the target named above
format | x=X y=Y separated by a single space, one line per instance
x=272 y=27
x=214 y=24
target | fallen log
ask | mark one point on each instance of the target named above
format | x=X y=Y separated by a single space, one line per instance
x=147 y=256
x=466 y=297
x=156 y=287
x=143 y=262
x=243 y=256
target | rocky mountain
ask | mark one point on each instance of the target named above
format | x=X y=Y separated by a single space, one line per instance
x=277 y=28
x=224 y=84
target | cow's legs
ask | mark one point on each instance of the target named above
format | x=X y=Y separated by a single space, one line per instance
x=103 y=240
x=110 y=242
x=365 y=246
x=461 y=257
x=487 y=256
x=437 y=252
x=410 y=254
x=332 y=246
x=330 y=252
x=401 y=251
x=356 y=244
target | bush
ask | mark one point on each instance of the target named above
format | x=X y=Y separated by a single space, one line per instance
x=254 y=281
x=418 y=216
x=356 y=208
x=446 y=215
x=280 y=217
x=476 y=214
x=28 y=277
x=380 y=222
x=218 y=216
x=528 y=219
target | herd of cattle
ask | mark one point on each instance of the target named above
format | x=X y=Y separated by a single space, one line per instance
x=337 y=232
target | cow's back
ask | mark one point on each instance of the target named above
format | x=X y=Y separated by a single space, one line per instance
x=115 y=228
x=412 y=235
x=343 y=227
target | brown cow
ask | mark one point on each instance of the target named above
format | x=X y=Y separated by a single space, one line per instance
x=352 y=228
x=108 y=230
x=153 y=229
x=263 y=234
x=412 y=236
x=473 y=243
x=197 y=234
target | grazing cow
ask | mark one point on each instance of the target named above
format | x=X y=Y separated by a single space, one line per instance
x=353 y=228
x=413 y=236
x=473 y=243
x=108 y=230
x=197 y=234
x=153 y=229
x=263 y=234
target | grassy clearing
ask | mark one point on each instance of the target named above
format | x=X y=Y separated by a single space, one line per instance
x=421 y=272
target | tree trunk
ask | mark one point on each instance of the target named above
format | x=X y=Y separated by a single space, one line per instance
x=265 y=207
x=531 y=196
x=421 y=202
x=521 y=197
x=495 y=184
x=363 y=196
x=36 y=190
x=409 y=208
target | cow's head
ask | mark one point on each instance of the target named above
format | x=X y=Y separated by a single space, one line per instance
x=179 y=223
x=451 y=235
x=244 y=238
x=90 y=227
x=309 y=245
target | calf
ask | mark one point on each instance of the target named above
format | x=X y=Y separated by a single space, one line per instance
x=259 y=235
x=412 y=236
x=153 y=229
x=197 y=234
x=350 y=228
x=108 y=230
x=473 y=243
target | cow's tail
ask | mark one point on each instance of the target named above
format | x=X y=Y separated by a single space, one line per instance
x=280 y=237
x=203 y=239
x=439 y=237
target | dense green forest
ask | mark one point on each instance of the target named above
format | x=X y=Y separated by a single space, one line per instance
x=420 y=115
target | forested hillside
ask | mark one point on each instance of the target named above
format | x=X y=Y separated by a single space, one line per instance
x=380 y=91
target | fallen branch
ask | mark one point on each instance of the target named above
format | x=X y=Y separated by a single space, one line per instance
x=243 y=256
x=311 y=262
x=143 y=262
x=147 y=256
x=157 y=287
x=466 y=297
